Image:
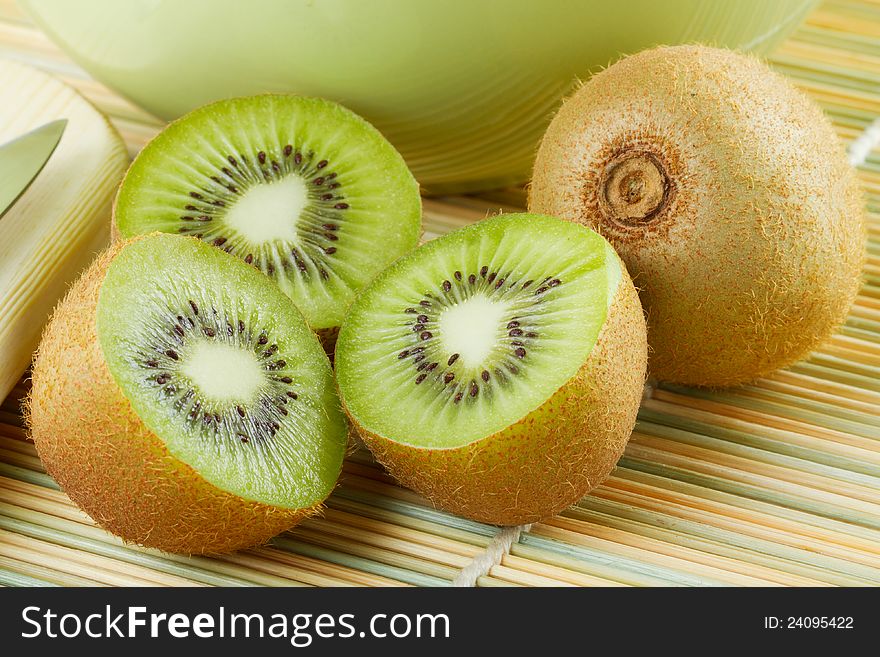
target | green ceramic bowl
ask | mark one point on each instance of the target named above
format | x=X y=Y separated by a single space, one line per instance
x=463 y=88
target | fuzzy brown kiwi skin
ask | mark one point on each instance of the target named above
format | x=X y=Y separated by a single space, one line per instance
x=99 y=451
x=753 y=251
x=552 y=457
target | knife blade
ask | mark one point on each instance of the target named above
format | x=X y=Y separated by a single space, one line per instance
x=22 y=159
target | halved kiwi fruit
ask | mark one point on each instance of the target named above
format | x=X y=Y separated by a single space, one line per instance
x=183 y=402
x=301 y=188
x=729 y=197
x=498 y=369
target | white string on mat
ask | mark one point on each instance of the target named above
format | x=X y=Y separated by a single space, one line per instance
x=862 y=145
x=495 y=551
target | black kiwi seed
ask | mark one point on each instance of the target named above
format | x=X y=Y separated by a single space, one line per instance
x=472 y=279
x=171 y=354
x=448 y=377
x=452 y=359
x=483 y=270
x=485 y=375
x=420 y=378
x=520 y=352
x=474 y=389
x=447 y=286
x=425 y=335
x=422 y=319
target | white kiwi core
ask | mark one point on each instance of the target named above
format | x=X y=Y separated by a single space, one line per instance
x=266 y=213
x=472 y=328
x=223 y=372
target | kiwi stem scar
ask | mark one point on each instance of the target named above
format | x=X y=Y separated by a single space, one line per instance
x=634 y=189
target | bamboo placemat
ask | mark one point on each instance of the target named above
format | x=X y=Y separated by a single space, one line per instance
x=775 y=483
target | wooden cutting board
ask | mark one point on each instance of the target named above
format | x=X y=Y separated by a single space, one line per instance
x=62 y=220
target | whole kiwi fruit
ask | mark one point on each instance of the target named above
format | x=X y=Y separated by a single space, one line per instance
x=727 y=194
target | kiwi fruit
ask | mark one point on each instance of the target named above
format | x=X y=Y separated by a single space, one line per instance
x=182 y=401
x=497 y=370
x=301 y=188
x=727 y=194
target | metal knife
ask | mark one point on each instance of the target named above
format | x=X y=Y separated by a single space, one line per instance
x=22 y=159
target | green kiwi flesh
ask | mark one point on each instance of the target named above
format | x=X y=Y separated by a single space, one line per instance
x=301 y=188
x=221 y=366
x=473 y=332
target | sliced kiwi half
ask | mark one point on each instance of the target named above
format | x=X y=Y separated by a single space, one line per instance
x=301 y=188
x=498 y=369
x=182 y=400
